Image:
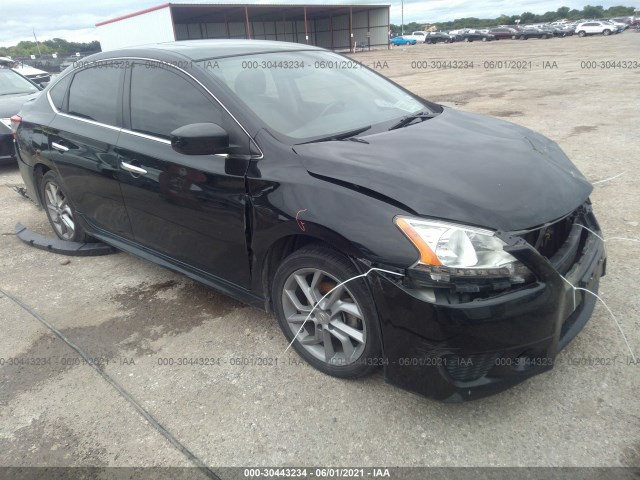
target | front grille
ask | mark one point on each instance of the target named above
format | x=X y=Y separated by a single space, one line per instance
x=466 y=368
x=559 y=242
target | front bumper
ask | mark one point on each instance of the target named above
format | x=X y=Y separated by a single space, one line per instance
x=464 y=351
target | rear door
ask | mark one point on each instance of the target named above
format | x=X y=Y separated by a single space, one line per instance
x=190 y=209
x=82 y=139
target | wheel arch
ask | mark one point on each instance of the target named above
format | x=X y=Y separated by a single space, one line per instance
x=267 y=260
x=39 y=170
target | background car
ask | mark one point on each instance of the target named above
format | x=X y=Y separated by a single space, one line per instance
x=15 y=90
x=438 y=37
x=455 y=37
x=595 y=28
x=419 y=36
x=402 y=41
x=502 y=33
x=531 y=32
x=34 y=74
x=475 y=35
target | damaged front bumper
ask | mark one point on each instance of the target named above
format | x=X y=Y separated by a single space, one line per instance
x=463 y=351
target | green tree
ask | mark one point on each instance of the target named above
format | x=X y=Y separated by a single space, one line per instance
x=593 y=12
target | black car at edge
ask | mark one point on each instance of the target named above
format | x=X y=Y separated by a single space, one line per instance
x=275 y=172
x=15 y=90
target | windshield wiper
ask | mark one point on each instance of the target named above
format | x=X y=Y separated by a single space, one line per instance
x=410 y=118
x=339 y=136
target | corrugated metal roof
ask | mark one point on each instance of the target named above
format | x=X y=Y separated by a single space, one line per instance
x=258 y=4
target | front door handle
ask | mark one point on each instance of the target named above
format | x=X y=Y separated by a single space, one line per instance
x=60 y=148
x=132 y=168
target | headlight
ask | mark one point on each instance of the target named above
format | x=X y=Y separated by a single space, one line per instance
x=450 y=250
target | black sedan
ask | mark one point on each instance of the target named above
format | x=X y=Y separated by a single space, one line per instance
x=15 y=90
x=296 y=180
x=474 y=35
x=528 y=33
x=438 y=37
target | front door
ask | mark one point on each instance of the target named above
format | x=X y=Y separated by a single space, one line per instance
x=188 y=208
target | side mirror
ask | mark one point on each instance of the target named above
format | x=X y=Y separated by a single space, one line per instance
x=200 y=139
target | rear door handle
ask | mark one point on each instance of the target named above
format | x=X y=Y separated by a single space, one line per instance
x=132 y=168
x=60 y=148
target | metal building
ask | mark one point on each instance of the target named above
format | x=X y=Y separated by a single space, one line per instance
x=336 y=27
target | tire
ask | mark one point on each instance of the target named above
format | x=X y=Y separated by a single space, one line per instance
x=60 y=212
x=581 y=33
x=484 y=39
x=514 y=37
x=606 y=33
x=338 y=342
x=544 y=37
x=524 y=37
x=467 y=39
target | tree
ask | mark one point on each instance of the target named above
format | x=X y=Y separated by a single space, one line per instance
x=47 y=47
x=563 y=12
x=593 y=12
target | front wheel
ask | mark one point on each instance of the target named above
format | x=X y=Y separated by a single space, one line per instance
x=62 y=216
x=341 y=335
x=606 y=33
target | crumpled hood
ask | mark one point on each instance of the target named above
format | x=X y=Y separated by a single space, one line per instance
x=10 y=105
x=462 y=167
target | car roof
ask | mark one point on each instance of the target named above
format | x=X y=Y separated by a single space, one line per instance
x=210 y=49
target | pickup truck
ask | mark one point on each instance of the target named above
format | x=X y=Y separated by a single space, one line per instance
x=418 y=36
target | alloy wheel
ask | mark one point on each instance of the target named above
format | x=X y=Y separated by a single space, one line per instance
x=335 y=332
x=59 y=211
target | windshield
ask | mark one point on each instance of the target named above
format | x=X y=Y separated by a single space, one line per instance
x=11 y=83
x=310 y=94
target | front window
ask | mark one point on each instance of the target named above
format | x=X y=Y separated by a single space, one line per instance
x=306 y=95
x=13 y=84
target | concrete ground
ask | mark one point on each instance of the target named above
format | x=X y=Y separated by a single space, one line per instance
x=134 y=316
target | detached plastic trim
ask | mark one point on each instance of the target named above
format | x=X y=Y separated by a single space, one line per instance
x=62 y=247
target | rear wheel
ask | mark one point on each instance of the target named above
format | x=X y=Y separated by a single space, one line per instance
x=62 y=216
x=341 y=335
x=581 y=33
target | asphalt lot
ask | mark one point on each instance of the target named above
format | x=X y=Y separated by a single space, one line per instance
x=135 y=314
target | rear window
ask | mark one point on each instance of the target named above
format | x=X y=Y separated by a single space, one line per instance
x=59 y=91
x=94 y=94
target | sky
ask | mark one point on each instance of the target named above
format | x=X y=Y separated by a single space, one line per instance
x=74 y=20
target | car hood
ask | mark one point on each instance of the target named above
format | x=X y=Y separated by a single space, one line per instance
x=458 y=166
x=11 y=104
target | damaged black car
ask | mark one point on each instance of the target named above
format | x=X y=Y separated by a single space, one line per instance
x=384 y=230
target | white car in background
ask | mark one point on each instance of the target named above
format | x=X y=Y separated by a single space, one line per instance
x=595 y=28
x=34 y=74
x=621 y=26
x=419 y=36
